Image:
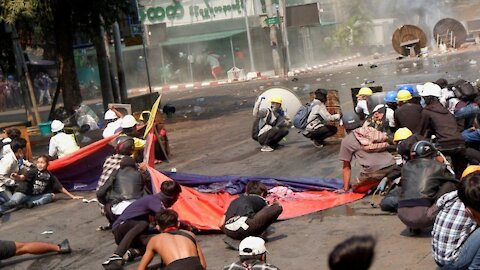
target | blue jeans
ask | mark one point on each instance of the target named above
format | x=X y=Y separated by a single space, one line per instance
x=5 y=196
x=19 y=198
x=468 y=255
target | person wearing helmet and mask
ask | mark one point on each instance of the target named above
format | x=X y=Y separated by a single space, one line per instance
x=113 y=121
x=61 y=144
x=362 y=108
x=374 y=165
x=129 y=128
x=437 y=120
x=408 y=112
x=425 y=178
x=317 y=128
x=403 y=140
x=273 y=124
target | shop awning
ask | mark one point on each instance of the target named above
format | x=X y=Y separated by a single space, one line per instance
x=202 y=37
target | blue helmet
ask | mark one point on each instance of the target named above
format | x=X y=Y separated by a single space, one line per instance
x=391 y=96
x=413 y=91
x=10 y=77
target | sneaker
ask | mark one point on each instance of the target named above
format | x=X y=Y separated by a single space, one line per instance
x=64 y=247
x=266 y=148
x=114 y=262
x=104 y=227
x=131 y=254
x=317 y=144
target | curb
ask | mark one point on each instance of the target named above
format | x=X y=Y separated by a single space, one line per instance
x=198 y=85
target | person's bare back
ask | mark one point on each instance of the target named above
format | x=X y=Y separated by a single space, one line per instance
x=177 y=248
x=171 y=247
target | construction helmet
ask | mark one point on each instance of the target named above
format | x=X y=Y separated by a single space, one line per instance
x=431 y=89
x=470 y=169
x=350 y=121
x=391 y=96
x=57 y=126
x=423 y=149
x=276 y=99
x=125 y=145
x=128 y=121
x=110 y=115
x=365 y=91
x=404 y=95
x=401 y=134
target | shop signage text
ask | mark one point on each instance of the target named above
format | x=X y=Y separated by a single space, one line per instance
x=204 y=10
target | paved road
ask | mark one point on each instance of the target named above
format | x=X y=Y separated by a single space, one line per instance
x=210 y=135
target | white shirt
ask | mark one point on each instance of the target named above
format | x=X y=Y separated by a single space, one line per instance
x=112 y=128
x=62 y=144
x=212 y=59
x=8 y=165
x=6 y=148
x=362 y=107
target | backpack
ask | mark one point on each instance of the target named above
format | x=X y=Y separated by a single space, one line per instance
x=256 y=125
x=370 y=139
x=301 y=117
x=465 y=91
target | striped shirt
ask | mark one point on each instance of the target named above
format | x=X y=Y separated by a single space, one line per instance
x=250 y=265
x=452 y=227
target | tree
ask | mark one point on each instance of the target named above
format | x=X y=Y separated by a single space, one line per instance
x=352 y=32
x=67 y=17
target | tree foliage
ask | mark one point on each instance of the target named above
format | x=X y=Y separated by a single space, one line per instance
x=353 y=31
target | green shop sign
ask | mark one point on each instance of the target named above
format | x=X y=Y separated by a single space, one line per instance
x=201 y=11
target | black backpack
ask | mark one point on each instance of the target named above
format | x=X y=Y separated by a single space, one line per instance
x=256 y=128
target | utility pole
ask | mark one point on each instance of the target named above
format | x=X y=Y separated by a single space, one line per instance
x=119 y=60
x=277 y=65
x=249 y=37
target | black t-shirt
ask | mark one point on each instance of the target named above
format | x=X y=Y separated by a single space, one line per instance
x=245 y=205
x=39 y=182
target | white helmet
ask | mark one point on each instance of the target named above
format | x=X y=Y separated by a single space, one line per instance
x=110 y=115
x=57 y=126
x=128 y=121
x=431 y=89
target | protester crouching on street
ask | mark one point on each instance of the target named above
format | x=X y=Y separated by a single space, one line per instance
x=178 y=248
x=61 y=143
x=122 y=188
x=374 y=165
x=250 y=214
x=408 y=113
x=319 y=120
x=131 y=228
x=253 y=256
x=437 y=120
x=455 y=235
x=272 y=125
x=362 y=107
x=425 y=178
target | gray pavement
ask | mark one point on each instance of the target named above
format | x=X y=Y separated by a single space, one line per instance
x=210 y=134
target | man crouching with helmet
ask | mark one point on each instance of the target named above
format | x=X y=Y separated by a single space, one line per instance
x=374 y=165
x=425 y=178
x=271 y=124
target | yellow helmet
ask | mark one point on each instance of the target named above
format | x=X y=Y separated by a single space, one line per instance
x=276 y=100
x=403 y=95
x=470 y=169
x=365 y=91
x=402 y=134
